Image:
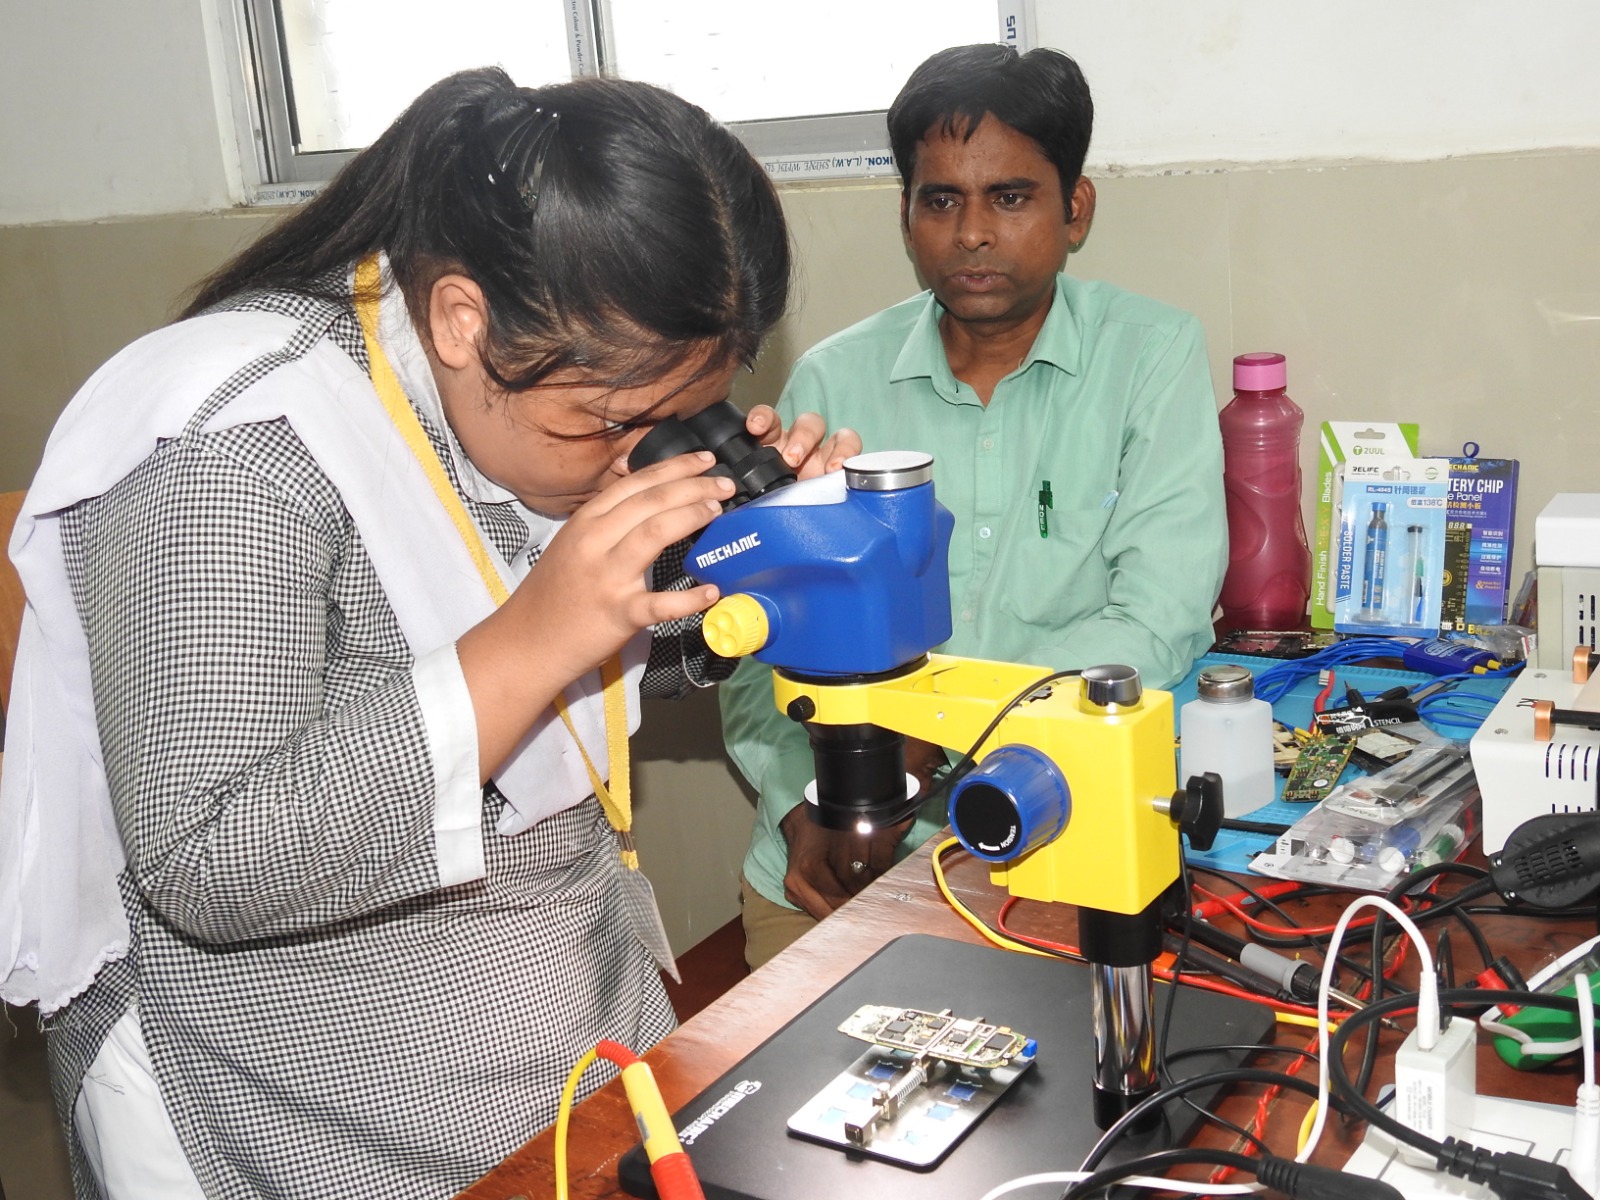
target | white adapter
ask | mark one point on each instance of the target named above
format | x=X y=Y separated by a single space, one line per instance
x=1434 y=1089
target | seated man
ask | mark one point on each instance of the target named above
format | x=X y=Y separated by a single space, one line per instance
x=1074 y=434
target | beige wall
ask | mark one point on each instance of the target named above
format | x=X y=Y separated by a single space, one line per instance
x=1462 y=294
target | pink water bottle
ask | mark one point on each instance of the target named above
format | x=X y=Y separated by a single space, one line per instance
x=1269 y=563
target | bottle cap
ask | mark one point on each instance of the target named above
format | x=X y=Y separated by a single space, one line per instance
x=1262 y=371
x=1226 y=682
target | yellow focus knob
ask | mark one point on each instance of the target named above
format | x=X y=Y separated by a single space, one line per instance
x=736 y=625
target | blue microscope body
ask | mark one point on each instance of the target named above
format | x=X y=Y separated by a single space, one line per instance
x=854 y=582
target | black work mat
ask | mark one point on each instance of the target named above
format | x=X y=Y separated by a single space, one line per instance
x=740 y=1146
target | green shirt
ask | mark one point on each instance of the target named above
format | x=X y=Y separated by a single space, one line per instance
x=1112 y=411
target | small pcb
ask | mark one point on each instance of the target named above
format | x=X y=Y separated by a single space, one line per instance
x=962 y=1041
x=921 y=1085
x=1316 y=772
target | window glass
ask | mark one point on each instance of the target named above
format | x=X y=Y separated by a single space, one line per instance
x=746 y=61
x=804 y=84
x=355 y=64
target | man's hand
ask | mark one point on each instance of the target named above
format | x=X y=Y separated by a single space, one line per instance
x=827 y=866
x=806 y=445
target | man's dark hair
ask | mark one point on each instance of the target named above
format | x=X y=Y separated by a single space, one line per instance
x=654 y=236
x=1041 y=94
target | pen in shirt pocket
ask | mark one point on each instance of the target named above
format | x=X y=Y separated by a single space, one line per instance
x=1047 y=502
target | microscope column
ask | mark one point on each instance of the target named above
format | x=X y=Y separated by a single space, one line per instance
x=1120 y=949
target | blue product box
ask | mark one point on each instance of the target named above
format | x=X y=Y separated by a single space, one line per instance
x=1390 y=569
x=1481 y=516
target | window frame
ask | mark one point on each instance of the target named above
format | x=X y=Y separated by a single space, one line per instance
x=836 y=146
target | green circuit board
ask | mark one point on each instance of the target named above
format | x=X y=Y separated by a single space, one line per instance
x=1317 y=769
x=962 y=1041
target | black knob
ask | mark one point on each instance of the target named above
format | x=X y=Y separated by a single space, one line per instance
x=801 y=708
x=1197 y=808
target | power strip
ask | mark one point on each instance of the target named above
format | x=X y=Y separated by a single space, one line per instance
x=1541 y=1131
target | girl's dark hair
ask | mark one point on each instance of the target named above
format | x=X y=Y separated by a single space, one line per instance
x=1042 y=94
x=654 y=236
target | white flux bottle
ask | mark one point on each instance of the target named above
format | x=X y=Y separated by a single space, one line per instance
x=1228 y=731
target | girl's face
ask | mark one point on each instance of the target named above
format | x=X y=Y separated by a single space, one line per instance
x=555 y=446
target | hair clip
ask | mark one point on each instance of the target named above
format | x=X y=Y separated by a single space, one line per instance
x=519 y=162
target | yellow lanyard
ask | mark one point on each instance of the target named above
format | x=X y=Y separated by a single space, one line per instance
x=617 y=800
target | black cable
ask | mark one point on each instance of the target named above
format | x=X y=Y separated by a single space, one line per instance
x=1298 y=941
x=1238 y=825
x=1507 y=1175
x=1271 y=904
x=968 y=759
x=1186 y=903
x=1407 y=884
x=1485 y=951
x=1195 y=1083
x=1300 y=1180
x=1256 y=1048
x=1205 y=962
x=1154 y=1164
x=1519 y=912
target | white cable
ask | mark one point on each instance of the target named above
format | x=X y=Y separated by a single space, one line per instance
x=1586 y=1027
x=1583 y=1163
x=1526 y=1044
x=1427 y=1003
x=1195 y=1187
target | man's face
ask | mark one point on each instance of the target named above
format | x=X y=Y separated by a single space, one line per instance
x=987 y=223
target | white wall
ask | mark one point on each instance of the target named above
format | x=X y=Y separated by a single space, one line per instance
x=1271 y=81
x=113 y=109
x=120 y=109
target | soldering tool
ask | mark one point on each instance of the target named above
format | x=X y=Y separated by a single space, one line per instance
x=670 y=1169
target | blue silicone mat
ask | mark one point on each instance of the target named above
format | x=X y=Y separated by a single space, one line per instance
x=1233 y=850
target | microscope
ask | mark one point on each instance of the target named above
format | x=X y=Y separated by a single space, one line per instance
x=840 y=584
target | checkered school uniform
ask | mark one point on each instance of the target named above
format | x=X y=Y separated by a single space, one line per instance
x=324 y=1019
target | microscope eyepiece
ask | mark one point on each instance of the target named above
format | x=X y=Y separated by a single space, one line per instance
x=755 y=469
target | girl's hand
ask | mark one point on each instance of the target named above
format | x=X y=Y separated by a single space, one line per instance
x=586 y=597
x=595 y=572
x=803 y=444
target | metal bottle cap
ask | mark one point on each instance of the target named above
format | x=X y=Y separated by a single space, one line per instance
x=1226 y=682
x=888 y=470
x=1110 y=687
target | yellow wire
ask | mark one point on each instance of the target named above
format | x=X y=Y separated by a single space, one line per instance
x=970 y=917
x=1305 y=1128
x=1006 y=943
x=1288 y=1018
x=563 y=1114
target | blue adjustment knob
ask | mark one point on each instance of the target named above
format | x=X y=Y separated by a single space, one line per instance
x=1015 y=800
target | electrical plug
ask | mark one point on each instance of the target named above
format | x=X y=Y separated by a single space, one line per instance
x=1303 y=1181
x=1509 y=1176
